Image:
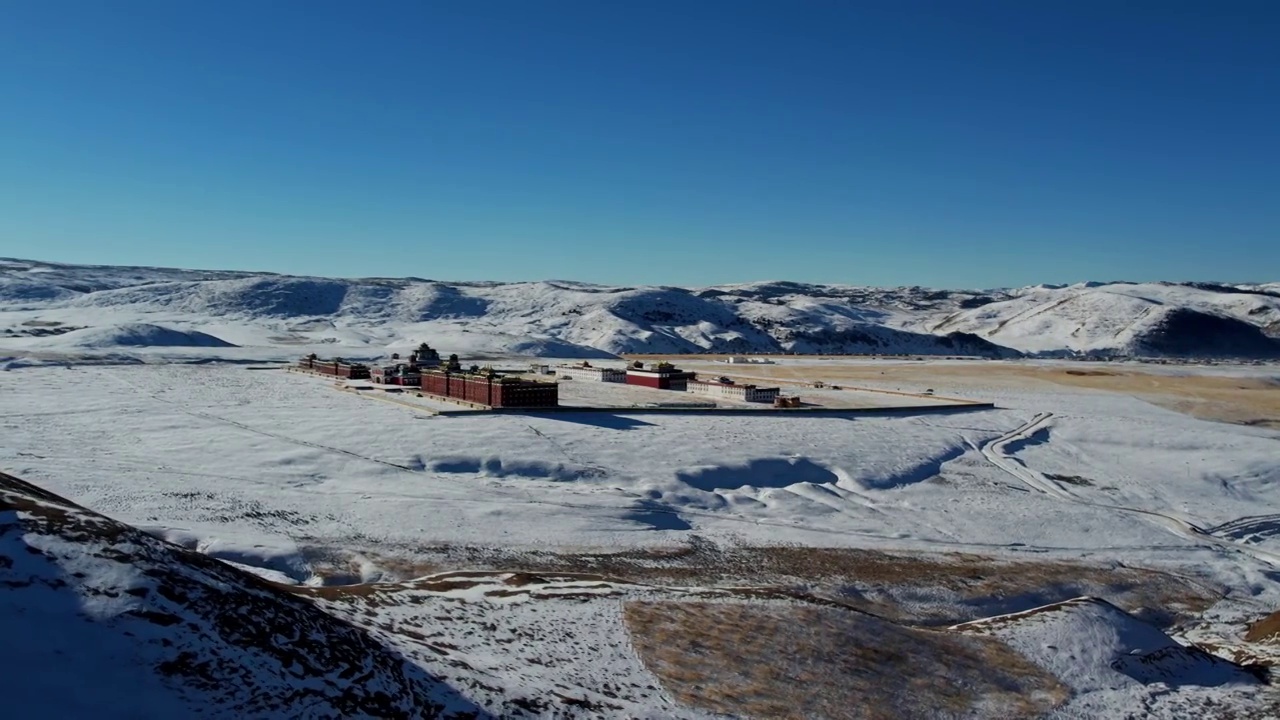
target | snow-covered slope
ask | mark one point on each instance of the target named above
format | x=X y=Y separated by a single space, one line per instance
x=102 y=620
x=1151 y=319
x=1094 y=645
x=138 y=335
x=569 y=319
x=1107 y=656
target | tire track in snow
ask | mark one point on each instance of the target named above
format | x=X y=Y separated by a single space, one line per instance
x=519 y=497
x=995 y=453
x=513 y=497
x=524 y=497
x=568 y=455
x=218 y=419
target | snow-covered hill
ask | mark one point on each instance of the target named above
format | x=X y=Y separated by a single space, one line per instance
x=42 y=305
x=1108 y=656
x=102 y=620
x=1149 y=319
x=139 y=335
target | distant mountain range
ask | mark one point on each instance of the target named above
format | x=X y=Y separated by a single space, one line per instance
x=56 y=307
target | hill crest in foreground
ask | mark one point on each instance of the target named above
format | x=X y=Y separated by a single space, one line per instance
x=106 y=621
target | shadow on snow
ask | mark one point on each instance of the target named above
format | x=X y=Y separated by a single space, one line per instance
x=596 y=419
x=762 y=473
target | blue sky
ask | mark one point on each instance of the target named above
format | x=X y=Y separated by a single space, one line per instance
x=951 y=143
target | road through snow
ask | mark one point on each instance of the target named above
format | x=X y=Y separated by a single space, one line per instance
x=995 y=453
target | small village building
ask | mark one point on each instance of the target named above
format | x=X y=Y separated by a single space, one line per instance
x=661 y=375
x=733 y=391
x=739 y=360
x=425 y=357
x=336 y=367
x=397 y=374
x=587 y=371
x=488 y=388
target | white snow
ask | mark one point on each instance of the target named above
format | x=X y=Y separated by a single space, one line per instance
x=101 y=620
x=54 y=628
x=250 y=465
x=127 y=335
x=1111 y=319
x=559 y=633
x=274 y=316
x=286 y=474
x=1109 y=658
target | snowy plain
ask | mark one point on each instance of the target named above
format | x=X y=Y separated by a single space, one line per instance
x=219 y=453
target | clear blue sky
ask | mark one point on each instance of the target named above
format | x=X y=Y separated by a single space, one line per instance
x=949 y=143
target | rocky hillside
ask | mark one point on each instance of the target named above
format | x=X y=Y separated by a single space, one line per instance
x=39 y=301
x=102 y=620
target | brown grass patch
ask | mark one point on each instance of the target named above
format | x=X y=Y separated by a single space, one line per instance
x=796 y=661
x=336 y=592
x=942 y=589
x=1242 y=400
x=1265 y=630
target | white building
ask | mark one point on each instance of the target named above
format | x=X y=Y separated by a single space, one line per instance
x=737 y=360
x=733 y=391
x=397 y=374
x=586 y=371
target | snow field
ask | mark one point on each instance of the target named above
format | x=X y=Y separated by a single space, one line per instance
x=102 y=620
x=275 y=471
x=508 y=644
x=265 y=464
x=1111 y=659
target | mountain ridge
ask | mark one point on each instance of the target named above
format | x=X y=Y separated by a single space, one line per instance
x=577 y=319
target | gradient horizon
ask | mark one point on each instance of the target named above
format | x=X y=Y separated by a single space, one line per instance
x=988 y=143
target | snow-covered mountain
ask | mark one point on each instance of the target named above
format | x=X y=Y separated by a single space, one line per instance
x=1148 y=319
x=54 y=307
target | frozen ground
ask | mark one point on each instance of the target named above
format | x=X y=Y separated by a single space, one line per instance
x=1110 y=659
x=282 y=472
x=620 y=395
x=292 y=459
x=221 y=453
